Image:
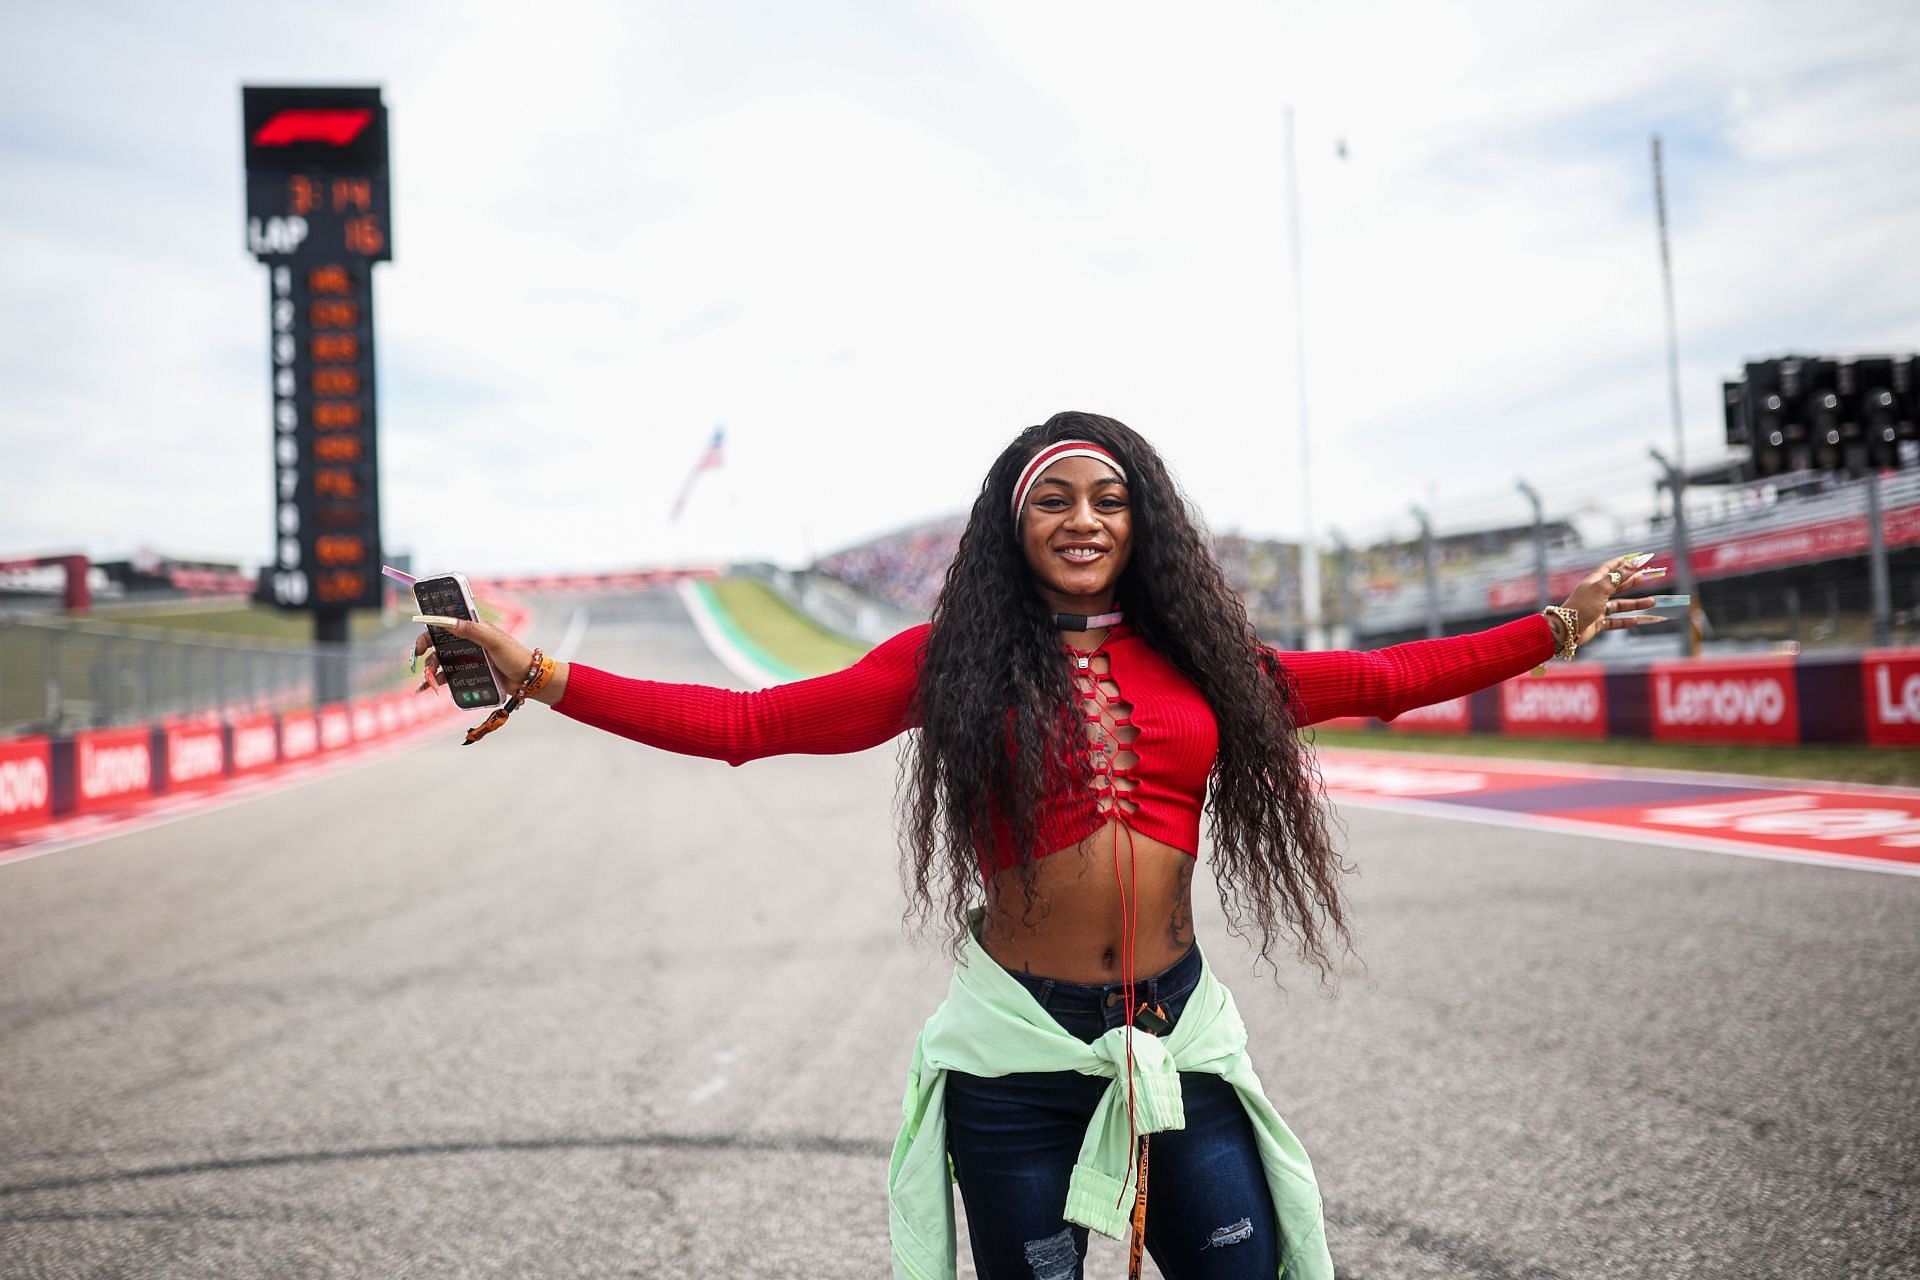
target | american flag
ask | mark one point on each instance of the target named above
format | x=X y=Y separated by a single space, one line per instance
x=709 y=460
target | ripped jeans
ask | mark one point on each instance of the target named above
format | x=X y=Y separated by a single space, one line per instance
x=1014 y=1138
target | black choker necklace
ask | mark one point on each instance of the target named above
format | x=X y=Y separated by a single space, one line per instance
x=1083 y=622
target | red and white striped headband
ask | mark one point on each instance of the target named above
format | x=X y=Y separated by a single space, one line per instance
x=1053 y=453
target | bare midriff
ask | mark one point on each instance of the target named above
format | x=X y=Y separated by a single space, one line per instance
x=1076 y=930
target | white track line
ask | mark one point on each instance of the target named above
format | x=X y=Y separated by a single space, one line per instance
x=719 y=643
x=575 y=633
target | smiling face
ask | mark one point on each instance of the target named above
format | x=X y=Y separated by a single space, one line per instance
x=1076 y=529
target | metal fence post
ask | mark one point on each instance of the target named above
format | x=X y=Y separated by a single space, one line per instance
x=149 y=671
x=1543 y=593
x=1676 y=483
x=1879 y=586
x=54 y=705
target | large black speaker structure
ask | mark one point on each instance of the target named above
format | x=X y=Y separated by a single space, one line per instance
x=1824 y=413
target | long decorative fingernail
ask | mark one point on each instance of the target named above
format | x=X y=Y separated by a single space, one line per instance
x=1634 y=562
x=435 y=619
x=1653 y=573
x=413 y=658
x=1670 y=602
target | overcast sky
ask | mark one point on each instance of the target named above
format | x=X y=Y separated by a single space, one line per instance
x=877 y=238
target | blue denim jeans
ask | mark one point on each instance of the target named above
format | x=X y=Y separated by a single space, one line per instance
x=1013 y=1140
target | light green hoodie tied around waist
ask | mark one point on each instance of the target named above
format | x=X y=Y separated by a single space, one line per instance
x=990 y=1025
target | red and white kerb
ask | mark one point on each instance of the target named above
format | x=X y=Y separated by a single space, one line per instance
x=1053 y=453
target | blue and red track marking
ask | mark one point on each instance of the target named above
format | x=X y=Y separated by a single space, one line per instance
x=1869 y=828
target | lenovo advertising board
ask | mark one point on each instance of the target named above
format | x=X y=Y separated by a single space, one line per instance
x=111 y=767
x=196 y=754
x=26 y=782
x=299 y=735
x=1891 y=683
x=1558 y=703
x=256 y=743
x=1754 y=701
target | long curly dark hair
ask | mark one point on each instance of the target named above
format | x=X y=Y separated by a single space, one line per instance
x=992 y=671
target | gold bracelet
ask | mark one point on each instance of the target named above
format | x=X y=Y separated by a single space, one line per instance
x=1571 y=621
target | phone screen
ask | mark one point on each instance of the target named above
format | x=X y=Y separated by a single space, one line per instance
x=465 y=663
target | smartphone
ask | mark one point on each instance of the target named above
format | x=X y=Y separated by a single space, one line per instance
x=470 y=675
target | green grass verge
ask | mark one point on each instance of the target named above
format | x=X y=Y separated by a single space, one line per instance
x=1882 y=765
x=783 y=632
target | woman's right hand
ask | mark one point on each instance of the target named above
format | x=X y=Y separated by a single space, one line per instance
x=510 y=658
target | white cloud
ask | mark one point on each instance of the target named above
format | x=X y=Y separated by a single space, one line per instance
x=876 y=240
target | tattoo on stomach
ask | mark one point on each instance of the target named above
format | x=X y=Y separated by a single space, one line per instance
x=1180 y=923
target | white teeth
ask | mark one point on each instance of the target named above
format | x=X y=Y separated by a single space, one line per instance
x=1081 y=553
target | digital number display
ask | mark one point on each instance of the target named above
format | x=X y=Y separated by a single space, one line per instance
x=317 y=215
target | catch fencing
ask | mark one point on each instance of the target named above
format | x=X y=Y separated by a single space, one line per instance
x=59 y=675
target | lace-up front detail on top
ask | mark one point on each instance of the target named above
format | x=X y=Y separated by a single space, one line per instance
x=1111 y=733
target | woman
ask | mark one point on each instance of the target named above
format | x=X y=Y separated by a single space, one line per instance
x=1086 y=680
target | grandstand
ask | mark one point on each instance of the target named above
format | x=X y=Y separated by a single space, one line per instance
x=905 y=569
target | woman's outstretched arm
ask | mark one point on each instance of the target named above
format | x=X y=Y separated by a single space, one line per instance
x=1386 y=682
x=850 y=710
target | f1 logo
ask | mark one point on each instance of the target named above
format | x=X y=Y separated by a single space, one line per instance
x=336 y=127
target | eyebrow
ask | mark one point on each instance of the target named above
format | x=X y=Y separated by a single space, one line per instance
x=1066 y=485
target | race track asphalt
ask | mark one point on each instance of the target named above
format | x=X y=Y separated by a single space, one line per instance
x=561 y=1005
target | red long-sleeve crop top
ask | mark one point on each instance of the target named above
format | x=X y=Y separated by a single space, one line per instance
x=1165 y=732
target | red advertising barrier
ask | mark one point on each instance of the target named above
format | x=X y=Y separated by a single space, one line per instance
x=299 y=735
x=256 y=743
x=1451 y=716
x=26 y=782
x=111 y=766
x=336 y=727
x=1891 y=683
x=1570 y=703
x=366 y=719
x=196 y=755
x=1748 y=701
x=1824 y=540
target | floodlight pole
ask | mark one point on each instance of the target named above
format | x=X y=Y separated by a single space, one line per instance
x=1673 y=341
x=1430 y=562
x=1313 y=636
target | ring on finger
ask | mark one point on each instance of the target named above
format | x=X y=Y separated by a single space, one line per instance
x=1614 y=576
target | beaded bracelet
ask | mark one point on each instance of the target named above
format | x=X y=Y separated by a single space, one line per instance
x=527 y=682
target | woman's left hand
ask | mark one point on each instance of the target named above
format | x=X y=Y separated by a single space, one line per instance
x=1599 y=605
